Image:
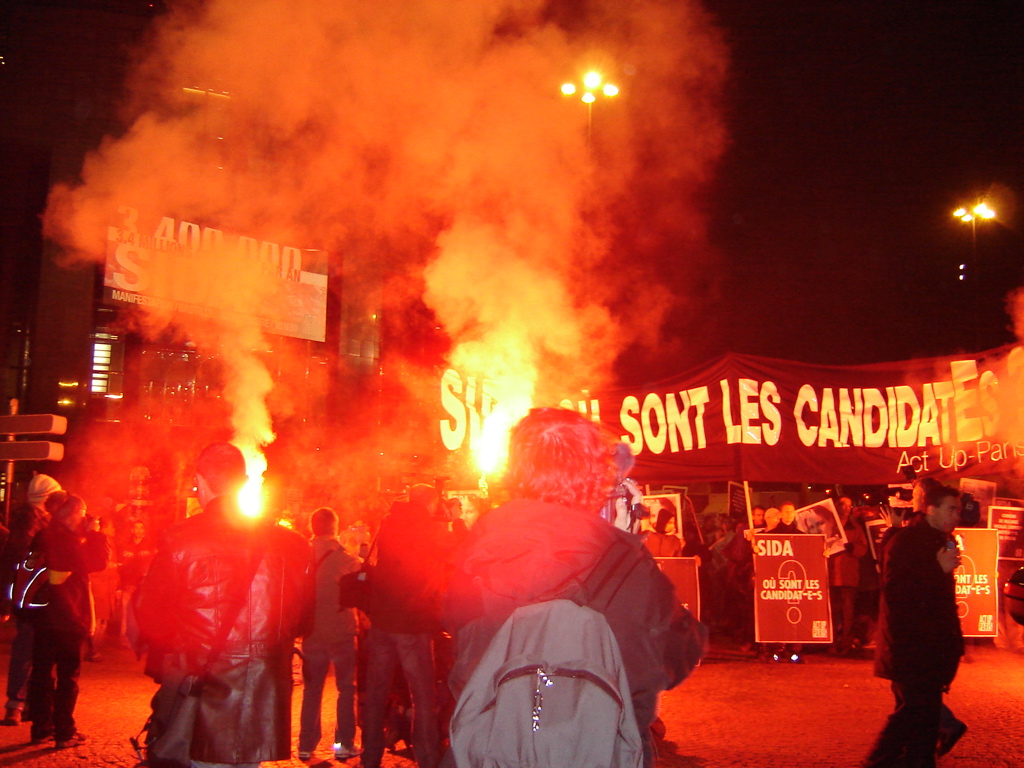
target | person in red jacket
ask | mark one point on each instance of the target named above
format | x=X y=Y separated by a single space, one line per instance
x=550 y=542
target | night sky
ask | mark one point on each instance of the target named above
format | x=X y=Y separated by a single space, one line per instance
x=856 y=128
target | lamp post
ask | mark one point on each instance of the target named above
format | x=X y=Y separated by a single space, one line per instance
x=971 y=216
x=593 y=85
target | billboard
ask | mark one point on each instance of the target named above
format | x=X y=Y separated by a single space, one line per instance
x=171 y=266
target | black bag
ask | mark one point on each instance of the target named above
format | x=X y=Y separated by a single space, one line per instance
x=354 y=588
x=169 y=729
x=175 y=705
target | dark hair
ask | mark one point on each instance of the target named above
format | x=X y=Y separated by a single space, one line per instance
x=668 y=512
x=558 y=456
x=324 y=522
x=223 y=467
x=61 y=504
x=935 y=494
x=921 y=487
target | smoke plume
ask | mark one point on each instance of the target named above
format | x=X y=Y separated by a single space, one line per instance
x=427 y=142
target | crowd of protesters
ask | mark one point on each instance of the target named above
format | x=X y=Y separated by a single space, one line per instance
x=110 y=580
x=727 y=574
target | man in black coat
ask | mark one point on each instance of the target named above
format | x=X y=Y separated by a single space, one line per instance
x=235 y=588
x=410 y=560
x=919 y=638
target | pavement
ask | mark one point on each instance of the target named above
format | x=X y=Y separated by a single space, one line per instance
x=734 y=711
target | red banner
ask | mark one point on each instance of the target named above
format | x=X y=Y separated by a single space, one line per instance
x=755 y=418
x=791 y=602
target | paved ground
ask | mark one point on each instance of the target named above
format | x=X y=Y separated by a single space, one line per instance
x=734 y=711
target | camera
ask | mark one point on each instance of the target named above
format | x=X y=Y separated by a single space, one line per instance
x=970 y=510
x=637 y=511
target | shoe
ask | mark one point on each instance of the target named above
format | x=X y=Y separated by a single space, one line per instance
x=305 y=756
x=344 y=751
x=93 y=656
x=949 y=739
x=73 y=740
x=12 y=717
x=41 y=739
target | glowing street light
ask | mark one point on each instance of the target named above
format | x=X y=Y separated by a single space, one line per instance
x=971 y=216
x=593 y=85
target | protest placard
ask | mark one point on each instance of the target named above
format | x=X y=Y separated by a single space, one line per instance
x=821 y=517
x=1009 y=522
x=977 y=598
x=682 y=572
x=791 y=602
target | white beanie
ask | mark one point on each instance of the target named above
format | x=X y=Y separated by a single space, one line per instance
x=40 y=487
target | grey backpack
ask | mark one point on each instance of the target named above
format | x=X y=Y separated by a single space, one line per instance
x=549 y=692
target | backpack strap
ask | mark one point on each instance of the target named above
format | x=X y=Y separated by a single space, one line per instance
x=320 y=560
x=602 y=584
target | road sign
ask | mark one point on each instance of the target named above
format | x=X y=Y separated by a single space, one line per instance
x=33 y=424
x=31 y=450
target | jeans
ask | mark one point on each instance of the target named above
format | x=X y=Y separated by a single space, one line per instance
x=317 y=659
x=53 y=706
x=201 y=764
x=21 y=664
x=912 y=730
x=415 y=654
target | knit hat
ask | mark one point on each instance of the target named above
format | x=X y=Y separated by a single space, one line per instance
x=40 y=487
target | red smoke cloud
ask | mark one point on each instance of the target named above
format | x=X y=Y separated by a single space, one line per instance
x=427 y=139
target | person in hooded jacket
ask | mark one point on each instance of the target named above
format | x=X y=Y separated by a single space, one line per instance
x=549 y=542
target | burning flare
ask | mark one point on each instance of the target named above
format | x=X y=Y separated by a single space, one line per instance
x=514 y=400
x=250 y=498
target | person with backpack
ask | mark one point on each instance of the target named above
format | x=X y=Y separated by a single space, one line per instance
x=546 y=581
x=331 y=641
x=70 y=548
x=26 y=521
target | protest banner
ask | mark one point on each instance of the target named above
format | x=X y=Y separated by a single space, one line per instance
x=791 y=602
x=977 y=599
x=682 y=572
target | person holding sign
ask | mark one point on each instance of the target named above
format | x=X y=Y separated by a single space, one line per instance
x=919 y=639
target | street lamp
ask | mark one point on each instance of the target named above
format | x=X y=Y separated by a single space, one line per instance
x=971 y=216
x=593 y=85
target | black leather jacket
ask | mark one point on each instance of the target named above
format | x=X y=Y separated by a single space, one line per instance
x=204 y=569
x=919 y=637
